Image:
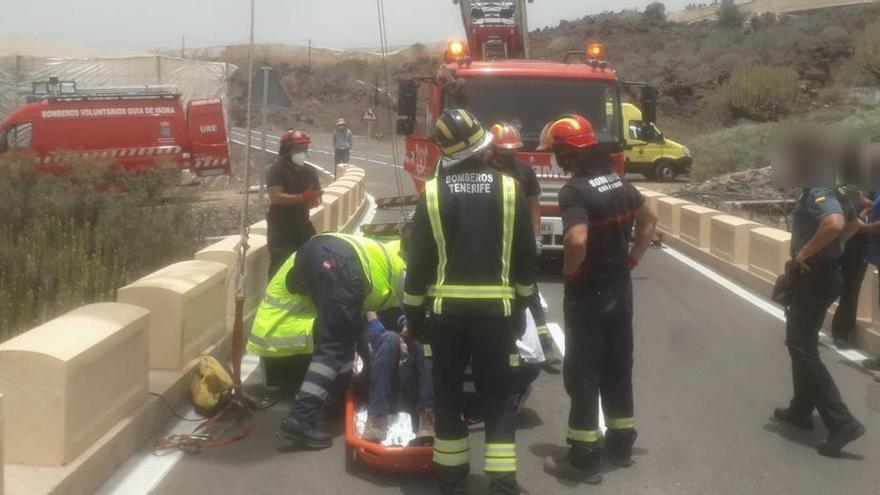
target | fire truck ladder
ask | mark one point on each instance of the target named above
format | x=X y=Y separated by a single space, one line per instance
x=495 y=13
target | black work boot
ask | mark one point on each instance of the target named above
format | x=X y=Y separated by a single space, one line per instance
x=838 y=438
x=618 y=446
x=786 y=415
x=504 y=485
x=311 y=436
x=580 y=464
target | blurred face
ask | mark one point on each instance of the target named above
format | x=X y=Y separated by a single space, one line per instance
x=567 y=158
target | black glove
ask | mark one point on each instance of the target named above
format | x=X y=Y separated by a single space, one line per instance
x=417 y=322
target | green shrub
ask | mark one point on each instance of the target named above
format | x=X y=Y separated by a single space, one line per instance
x=729 y=15
x=762 y=92
x=64 y=243
x=867 y=53
x=655 y=13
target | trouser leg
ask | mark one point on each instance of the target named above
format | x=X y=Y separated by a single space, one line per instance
x=584 y=343
x=451 y=354
x=813 y=385
x=616 y=372
x=494 y=356
x=384 y=360
x=424 y=363
x=852 y=267
x=336 y=286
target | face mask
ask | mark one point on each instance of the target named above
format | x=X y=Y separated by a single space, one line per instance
x=298 y=158
x=505 y=160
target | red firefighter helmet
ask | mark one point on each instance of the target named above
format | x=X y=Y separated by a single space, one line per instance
x=295 y=136
x=505 y=137
x=571 y=130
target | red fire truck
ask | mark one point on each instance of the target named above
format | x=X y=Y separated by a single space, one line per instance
x=491 y=76
x=135 y=129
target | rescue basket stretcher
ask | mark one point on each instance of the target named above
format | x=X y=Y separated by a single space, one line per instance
x=408 y=459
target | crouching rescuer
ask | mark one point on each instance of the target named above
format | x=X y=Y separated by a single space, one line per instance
x=332 y=279
x=598 y=210
x=471 y=271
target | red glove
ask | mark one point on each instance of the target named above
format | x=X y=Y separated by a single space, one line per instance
x=631 y=263
x=310 y=196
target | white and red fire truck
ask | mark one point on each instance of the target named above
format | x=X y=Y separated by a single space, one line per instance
x=135 y=129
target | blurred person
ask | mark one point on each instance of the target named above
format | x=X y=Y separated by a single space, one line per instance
x=872 y=231
x=599 y=212
x=342 y=142
x=853 y=265
x=506 y=142
x=820 y=222
x=294 y=188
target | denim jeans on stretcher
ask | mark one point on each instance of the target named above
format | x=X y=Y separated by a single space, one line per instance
x=392 y=383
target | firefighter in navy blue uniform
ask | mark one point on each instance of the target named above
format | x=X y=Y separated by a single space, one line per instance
x=471 y=269
x=598 y=210
x=506 y=141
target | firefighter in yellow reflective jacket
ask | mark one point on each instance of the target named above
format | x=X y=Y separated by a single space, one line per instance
x=471 y=268
x=333 y=278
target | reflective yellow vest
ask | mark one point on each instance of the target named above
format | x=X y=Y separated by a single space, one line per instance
x=283 y=325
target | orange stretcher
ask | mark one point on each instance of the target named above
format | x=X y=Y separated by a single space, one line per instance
x=377 y=456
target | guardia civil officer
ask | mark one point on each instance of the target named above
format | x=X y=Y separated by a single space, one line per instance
x=471 y=265
x=598 y=210
x=817 y=240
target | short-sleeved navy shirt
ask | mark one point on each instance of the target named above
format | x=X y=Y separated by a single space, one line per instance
x=607 y=204
x=815 y=204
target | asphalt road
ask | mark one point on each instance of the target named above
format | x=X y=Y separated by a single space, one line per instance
x=710 y=368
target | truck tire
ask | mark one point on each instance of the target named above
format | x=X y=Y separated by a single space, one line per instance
x=665 y=171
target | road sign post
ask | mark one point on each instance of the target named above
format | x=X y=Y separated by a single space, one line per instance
x=369 y=117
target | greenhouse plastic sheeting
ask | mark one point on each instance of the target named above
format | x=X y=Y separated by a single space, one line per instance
x=193 y=78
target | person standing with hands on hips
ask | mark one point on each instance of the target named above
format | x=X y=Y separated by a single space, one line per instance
x=598 y=210
x=294 y=188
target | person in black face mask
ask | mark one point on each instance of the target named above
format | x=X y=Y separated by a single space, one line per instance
x=506 y=142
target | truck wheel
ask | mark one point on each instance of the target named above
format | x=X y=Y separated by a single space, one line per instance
x=665 y=172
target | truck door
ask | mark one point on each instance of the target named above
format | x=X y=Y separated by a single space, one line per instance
x=206 y=130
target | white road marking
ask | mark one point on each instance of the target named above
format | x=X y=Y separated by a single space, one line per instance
x=256 y=146
x=143 y=471
x=368 y=218
x=240 y=137
x=757 y=301
x=559 y=339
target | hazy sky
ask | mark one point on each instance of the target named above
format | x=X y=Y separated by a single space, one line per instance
x=137 y=24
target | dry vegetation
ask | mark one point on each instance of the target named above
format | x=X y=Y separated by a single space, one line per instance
x=73 y=240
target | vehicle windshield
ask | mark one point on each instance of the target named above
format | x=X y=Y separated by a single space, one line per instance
x=529 y=104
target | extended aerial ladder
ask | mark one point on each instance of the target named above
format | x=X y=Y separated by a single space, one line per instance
x=496 y=29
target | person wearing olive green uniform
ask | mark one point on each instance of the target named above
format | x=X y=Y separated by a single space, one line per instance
x=817 y=240
x=333 y=278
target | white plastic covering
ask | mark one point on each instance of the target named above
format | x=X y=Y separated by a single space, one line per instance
x=193 y=78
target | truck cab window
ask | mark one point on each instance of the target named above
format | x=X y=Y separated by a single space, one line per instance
x=641 y=132
x=18 y=137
